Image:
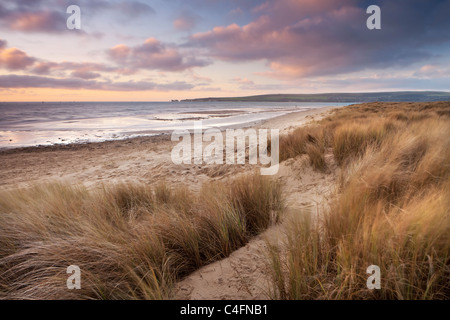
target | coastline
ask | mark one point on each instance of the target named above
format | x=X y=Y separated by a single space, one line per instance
x=65 y=124
x=140 y=159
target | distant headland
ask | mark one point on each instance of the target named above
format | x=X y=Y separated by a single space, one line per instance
x=402 y=96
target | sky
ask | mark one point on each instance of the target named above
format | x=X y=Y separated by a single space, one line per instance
x=159 y=50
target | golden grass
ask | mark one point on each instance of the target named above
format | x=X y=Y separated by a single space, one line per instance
x=392 y=210
x=306 y=140
x=130 y=241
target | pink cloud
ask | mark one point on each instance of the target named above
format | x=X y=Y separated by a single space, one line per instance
x=302 y=38
x=293 y=43
x=47 y=21
x=49 y=16
x=83 y=70
x=186 y=21
x=14 y=59
x=243 y=81
x=19 y=81
x=152 y=55
x=43 y=67
x=119 y=52
x=432 y=71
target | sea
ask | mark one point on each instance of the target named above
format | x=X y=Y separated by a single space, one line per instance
x=24 y=124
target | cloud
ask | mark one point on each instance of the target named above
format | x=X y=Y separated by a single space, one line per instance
x=44 y=68
x=432 y=71
x=133 y=8
x=119 y=53
x=186 y=21
x=28 y=16
x=83 y=70
x=236 y=12
x=125 y=8
x=385 y=84
x=26 y=3
x=153 y=55
x=20 y=81
x=44 y=21
x=37 y=16
x=13 y=58
x=81 y=75
x=249 y=85
x=201 y=79
x=305 y=38
x=242 y=80
x=87 y=75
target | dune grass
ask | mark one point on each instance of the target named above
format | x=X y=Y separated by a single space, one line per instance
x=392 y=210
x=129 y=240
x=311 y=140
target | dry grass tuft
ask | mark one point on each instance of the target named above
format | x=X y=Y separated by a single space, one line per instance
x=311 y=140
x=392 y=211
x=130 y=241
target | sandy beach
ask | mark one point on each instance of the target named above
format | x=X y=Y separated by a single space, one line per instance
x=309 y=188
x=142 y=159
x=147 y=160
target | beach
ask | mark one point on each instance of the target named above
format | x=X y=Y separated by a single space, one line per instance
x=224 y=232
x=141 y=159
x=148 y=160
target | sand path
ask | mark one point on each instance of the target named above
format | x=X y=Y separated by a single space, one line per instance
x=245 y=274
